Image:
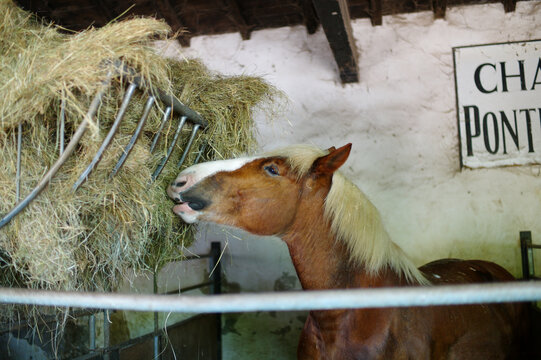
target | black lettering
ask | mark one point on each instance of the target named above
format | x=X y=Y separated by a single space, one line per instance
x=507 y=125
x=535 y=82
x=519 y=75
x=496 y=133
x=477 y=79
x=467 y=120
x=539 y=117
x=528 y=128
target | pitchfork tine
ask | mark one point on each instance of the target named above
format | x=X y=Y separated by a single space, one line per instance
x=170 y=149
x=135 y=135
x=62 y=125
x=201 y=152
x=108 y=138
x=166 y=116
x=18 y=175
x=189 y=145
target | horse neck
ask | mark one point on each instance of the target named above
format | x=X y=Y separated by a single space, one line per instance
x=321 y=260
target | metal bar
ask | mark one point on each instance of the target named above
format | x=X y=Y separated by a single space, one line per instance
x=170 y=150
x=108 y=138
x=167 y=99
x=18 y=174
x=201 y=152
x=215 y=267
x=92 y=330
x=61 y=160
x=166 y=116
x=195 y=257
x=180 y=108
x=216 y=288
x=189 y=288
x=135 y=136
x=534 y=246
x=525 y=243
x=528 y=270
x=106 y=332
x=156 y=324
x=284 y=301
x=44 y=320
x=189 y=145
x=62 y=125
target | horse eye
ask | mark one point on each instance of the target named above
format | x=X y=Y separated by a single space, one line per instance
x=272 y=170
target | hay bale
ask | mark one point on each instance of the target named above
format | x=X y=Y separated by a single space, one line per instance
x=89 y=239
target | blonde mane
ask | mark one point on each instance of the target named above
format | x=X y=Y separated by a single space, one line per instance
x=354 y=219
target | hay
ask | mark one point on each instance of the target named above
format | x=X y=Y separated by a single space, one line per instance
x=90 y=239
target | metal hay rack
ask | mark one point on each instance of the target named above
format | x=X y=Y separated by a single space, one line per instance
x=172 y=107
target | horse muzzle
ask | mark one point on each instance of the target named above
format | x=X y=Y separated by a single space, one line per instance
x=188 y=203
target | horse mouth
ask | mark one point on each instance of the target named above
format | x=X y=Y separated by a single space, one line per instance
x=188 y=205
x=182 y=208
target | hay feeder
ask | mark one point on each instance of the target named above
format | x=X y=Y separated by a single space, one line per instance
x=172 y=107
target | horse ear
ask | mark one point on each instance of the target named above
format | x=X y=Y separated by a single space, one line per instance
x=331 y=149
x=329 y=163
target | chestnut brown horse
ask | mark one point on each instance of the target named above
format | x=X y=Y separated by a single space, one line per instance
x=337 y=240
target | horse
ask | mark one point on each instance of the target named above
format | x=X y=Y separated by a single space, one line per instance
x=336 y=239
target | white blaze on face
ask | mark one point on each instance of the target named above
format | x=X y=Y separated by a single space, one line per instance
x=194 y=174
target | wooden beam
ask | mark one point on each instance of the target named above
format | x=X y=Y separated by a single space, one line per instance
x=233 y=11
x=167 y=11
x=509 y=5
x=439 y=7
x=375 y=12
x=335 y=20
x=309 y=16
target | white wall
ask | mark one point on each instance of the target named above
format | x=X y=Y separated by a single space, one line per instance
x=401 y=120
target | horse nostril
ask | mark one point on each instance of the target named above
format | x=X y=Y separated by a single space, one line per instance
x=180 y=184
x=177 y=200
x=196 y=205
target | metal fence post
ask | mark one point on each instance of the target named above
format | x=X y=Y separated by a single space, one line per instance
x=216 y=288
x=92 y=331
x=527 y=254
x=156 y=321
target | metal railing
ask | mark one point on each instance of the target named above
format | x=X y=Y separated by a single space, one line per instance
x=519 y=291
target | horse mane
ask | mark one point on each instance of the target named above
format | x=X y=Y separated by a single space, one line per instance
x=354 y=219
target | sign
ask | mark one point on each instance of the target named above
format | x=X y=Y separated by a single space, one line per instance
x=498 y=96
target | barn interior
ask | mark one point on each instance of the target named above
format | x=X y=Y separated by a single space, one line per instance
x=379 y=74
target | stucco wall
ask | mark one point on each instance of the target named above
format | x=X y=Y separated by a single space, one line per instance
x=401 y=119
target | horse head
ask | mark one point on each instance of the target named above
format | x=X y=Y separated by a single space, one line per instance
x=257 y=194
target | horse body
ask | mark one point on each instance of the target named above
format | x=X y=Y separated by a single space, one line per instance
x=336 y=240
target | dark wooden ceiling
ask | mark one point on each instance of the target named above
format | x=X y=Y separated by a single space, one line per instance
x=209 y=17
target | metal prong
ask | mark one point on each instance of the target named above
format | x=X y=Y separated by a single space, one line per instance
x=19 y=149
x=170 y=149
x=108 y=138
x=166 y=116
x=61 y=160
x=62 y=124
x=189 y=145
x=201 y=152
x=135 y=135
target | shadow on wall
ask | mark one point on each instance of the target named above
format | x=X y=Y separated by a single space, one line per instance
x=262 y=335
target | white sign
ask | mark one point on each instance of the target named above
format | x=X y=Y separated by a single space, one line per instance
x=498 y=90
